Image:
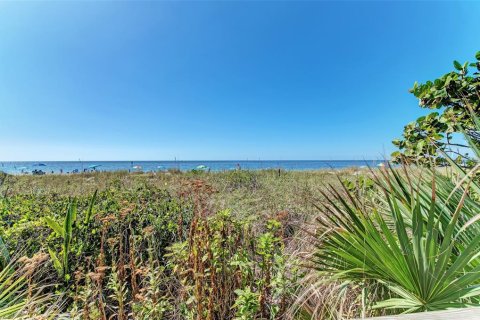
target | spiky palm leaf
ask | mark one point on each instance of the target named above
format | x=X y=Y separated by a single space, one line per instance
x=421 y=248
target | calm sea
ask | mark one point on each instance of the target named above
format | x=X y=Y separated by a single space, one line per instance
x=19 y=167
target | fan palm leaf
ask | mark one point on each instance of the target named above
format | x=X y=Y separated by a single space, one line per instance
x=414 y=240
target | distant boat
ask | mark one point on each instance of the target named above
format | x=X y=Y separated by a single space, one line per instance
x=94 y=166
x=137 y=167
x=201 y=167
x=39 y=165
x=381 y=164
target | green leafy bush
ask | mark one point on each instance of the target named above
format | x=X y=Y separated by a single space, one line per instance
x=223 y=265
x=426 y=140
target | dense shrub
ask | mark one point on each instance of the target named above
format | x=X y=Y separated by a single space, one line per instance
x=149 y=253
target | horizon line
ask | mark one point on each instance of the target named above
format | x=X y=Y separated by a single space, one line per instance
x=195 y=160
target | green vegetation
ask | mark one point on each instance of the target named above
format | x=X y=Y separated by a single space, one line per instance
x=247 y=245
x=172 y=245
x=66 y=233
x=457 y=95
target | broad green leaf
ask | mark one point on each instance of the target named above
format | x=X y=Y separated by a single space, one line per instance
x=54 y=226
x=90 y=208
x=55 y=261
x=457 y=65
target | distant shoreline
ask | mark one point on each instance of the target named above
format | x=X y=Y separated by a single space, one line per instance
x=62 y=167
x=184 y=161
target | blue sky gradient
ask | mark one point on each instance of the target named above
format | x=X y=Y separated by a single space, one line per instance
x=219 y=80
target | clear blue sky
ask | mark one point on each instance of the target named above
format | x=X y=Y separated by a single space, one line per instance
x=219 y=80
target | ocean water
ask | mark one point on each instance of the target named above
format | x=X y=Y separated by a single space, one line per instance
x=21 y=167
